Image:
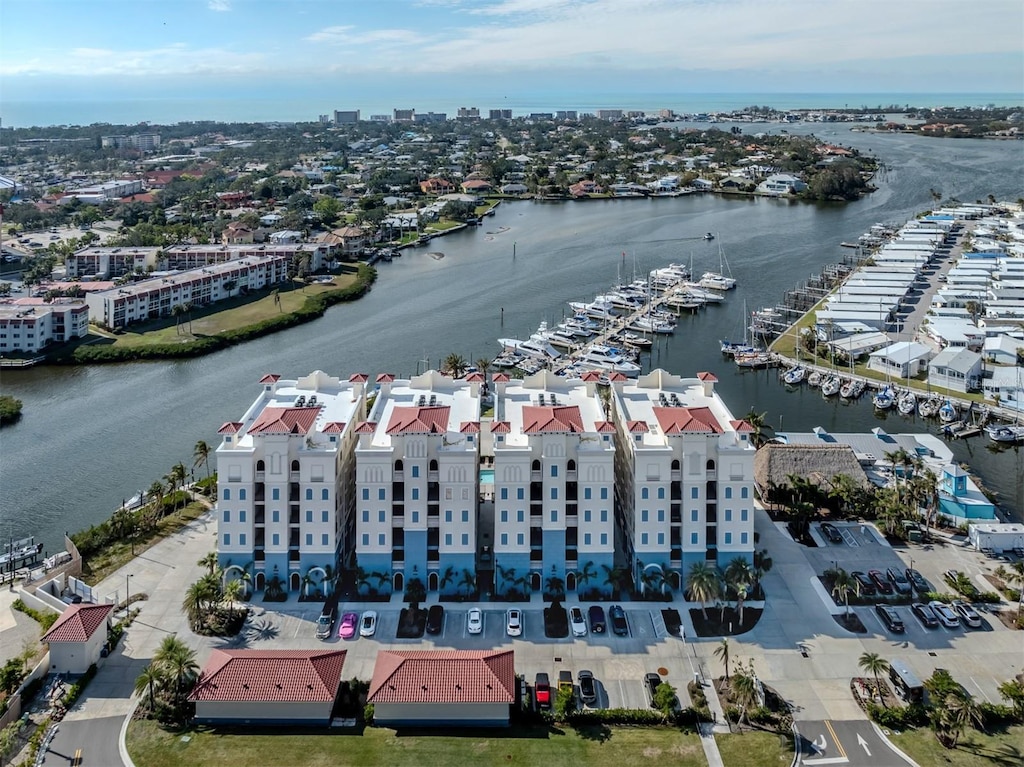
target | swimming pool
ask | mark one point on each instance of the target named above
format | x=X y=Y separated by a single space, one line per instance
x=486 y=476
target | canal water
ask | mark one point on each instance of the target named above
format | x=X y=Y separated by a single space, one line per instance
x=92 y=436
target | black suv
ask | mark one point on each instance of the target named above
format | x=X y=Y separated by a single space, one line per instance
x=618 y=618
x=890 y=618
x=596 y=615
x=435 y=619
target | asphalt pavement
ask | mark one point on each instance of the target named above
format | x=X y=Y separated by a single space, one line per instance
x=856 y=743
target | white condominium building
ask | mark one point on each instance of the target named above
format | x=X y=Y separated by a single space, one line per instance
x=285 y=473
x=29 y=325
x=685 y=470
x=417 y=460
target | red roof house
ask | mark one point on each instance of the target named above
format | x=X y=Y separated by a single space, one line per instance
x=77 y=638
x=268 y=687
x=416 y=688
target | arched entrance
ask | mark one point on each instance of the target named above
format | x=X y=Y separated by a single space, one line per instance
x=399 y=581
x=261 y=581
x=535 y=581
x=674 y=580
x=320 y=583
x=432 y=581
x=570 y=581
x=294 y=582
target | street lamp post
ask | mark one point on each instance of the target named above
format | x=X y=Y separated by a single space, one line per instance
x=128 y=590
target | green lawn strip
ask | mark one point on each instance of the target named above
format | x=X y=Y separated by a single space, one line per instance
x=975 y=749
x=754 y=749
x=98 y=566
x=598 y=746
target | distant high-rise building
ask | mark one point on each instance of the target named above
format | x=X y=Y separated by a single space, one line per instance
x=324 y=119
x=346 y=118
x=609 y=114
x=404 y=115
x=469 y=113
x=565 y=114
x=145 y=142
x=542 y=116
x=500 y=114
x=430 y=117
x=380 y=118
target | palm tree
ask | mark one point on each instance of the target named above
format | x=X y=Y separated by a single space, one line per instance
x=614 y=577
x=586 y=575
x=447 y=578
x=209 y=561
x=1015 y=577
x=156 y=497
x=455 y=365
x=362 y=578
x=233 y=591
x=760 y=424
x=180 y=662
x=555 y=586
x=483 y=365
x=739 y=576
x=762 y=564
x=151 y=678
x=959 y=711
x=722 y=653
x=842 y=584
x=201 y=454
x=507 y=575
x=744 y=692
x=176 y=311
x=873 y=663
x=703 y=584
x=307 y=581
x=195 y=600
x=468 y=581
x=1013 y=691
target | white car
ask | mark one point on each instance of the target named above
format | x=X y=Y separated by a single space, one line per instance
x=579 y=625
x=474 y=620
x=368 y=625
x=514 y=624
x=945 y=614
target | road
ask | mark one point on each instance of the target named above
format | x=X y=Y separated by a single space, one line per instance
x=855 y=743
x=95 y=739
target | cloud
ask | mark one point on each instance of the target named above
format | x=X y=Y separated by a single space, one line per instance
x=219 y=5
x=174 y=58
x=348 y=35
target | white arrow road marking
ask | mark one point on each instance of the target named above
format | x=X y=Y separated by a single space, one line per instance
x=824 y=744
x=863 y=744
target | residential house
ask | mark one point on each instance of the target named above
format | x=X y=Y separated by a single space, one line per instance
x=437 y=186
x=956 y=368
x=904 y=359
x=78 y=637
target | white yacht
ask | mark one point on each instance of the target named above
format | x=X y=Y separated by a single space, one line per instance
x=716 y=281
x=599 y=309
x=581 y=325
x=535 y=346
x=560 y=338
x=646 y=324
x=607 y=359
x=708 y=296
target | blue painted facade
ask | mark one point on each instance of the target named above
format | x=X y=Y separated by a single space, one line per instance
x=554 y=557
x=458 y=563
x=416 y=554
x=518 y=562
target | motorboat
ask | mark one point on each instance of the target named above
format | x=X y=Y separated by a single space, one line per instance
x=599 y=309
x=700 y=291
x=684 y=299
x=17 y=552
x=906 y=403
x=1006 y=434
x=846 y=390
x=814 y=379
x=535 y=346
x=561 y=338
x=608 y=359
x=709 y=236
x=624 y=300
x=506 y=360
x=831 y=386
x=639 y=342
x=928 y=407
x=716 y=281
x=732 y=348
x=647 y=324
x=948 y=412
x=885 y=399
x=795 y=375
x=582 y=324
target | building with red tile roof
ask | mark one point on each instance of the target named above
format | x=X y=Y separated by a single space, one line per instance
x=292 y=687
x=77 y=638
x=420 y=688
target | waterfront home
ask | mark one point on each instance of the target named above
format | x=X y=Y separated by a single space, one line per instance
x=268 y=687
x=1006 y=384
x=77 y=638
x=781 y=183
x=960 y=498
x=904 y=359
x=431 y=688
x=955 y=369
x=437 y=186
x=1003 y=349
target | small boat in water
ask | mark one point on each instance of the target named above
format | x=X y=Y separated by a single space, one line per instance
x=885 y=399
x=852 y=389
x=709 y=236
x=639 y=342
x=831 y=386
x=906 y=403
x=795 y=375
x=814 y=379
x=18 y=552
x=928 y=407
x=753 y=360
x=732 y=348
x=1005 y=434
x=948 y=412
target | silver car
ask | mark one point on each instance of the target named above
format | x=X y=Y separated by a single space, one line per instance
x=579 y=625
x=474 y=620
x=945 y=614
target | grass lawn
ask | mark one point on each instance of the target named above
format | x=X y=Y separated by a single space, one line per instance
x=754 y=749
x=975 y=749
x=598 y=746
x=231 y=313
x=99 y=566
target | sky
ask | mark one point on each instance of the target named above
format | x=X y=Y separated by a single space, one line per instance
x=353 y=49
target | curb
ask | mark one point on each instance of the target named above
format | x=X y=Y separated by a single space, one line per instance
x=122 y=748
x=889 y=743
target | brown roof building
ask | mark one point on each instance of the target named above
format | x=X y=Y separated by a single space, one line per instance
x=77 y=638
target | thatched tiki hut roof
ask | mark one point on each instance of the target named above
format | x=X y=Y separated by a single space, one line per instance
x=818 y=464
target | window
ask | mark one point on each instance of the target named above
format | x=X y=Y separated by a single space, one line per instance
x=728 y=538
x=415 y=493
x=227 y=493
x=586 y=493
x=275 y=539
x=554 y=471
x=447 y=539
x=586 y=539
x=465 y=515
x=448 y=515
x=325 y=516
x=744 y=492
x=227 y=539
x=604 y=493
x=643 y=515
x=448 y=494
x=366 y=516
x=661 y=539
x=366 y=493
x=520 y=493
x=644 y=494
x=643 y=539
x=415 y=471
x=743 y=538
x=661 y=493
x=241 y=539
x=519 y=539
x=227 y=515
x=728 y=515
x=381 y=494
x=744 y=513
x=661 y=515
x=309 y=494
x=520 y=514
x=309 y=515
x=366 y=539
x=309 y=539
x=382 y=516
x=241 y=494
x=381 y=539
x=604 y=539
x=693 y=538
x=415 y=517
x=604 y=515
x=465 y=539
x=728 y=492
x=324 y=539
x=275 y=516
x=694 y=492
x=586 y=515
x=275 y=494
x=325 y=494
x=504 y=515
x=554 y=515
x=504 y=539
x=694 y=515
x=241 y=515
x=554 y=494
x=504 y=493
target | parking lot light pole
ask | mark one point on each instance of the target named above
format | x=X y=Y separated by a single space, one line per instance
x=911 y=563
x=128 y=590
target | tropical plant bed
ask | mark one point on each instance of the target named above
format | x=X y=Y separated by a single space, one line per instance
x=673 y=621
x=866 y=690
x=1012 y=619
x=851 y=622
x=221 y=623
x=722 y=623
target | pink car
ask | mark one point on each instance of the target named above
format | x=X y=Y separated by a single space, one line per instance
x=348 y=625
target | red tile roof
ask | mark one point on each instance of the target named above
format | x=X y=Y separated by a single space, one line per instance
x=470 y=427
x=77 y=623
x=707 y=377
x=285 y=420
x=366 y=427
x=559 y=418
x=591 y=375
x=605 y=427
x=359 y=378
x=309 y=676
x=385 y=378
x=501 y=427
x=334 y=427
x=500 y=377
x=231 y=427
x=638 y=427
x=676 y=420
x=419 y=420
x=616 y=376
x=741 y=425
x=270 y=378
x=475 y=376
x=443 y=676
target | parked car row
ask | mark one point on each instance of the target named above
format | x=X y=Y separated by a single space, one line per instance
x=931 y=615
x=892 y=581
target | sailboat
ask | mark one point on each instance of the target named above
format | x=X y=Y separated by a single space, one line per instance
x=734 y=348
x=906 y=403
x=795 y=375
x=718 y=280
x=948 y=412
x=885 y=399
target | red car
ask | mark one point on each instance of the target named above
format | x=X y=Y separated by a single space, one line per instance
x=348 y=625
x=881 y=582
x=542 y=691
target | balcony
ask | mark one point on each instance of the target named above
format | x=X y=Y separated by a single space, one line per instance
x=260 y=517
x=261 y=476
x=536 y=510
x=397 y=555
x=293 y=517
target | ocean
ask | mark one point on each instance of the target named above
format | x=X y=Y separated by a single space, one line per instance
x=169 y=110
